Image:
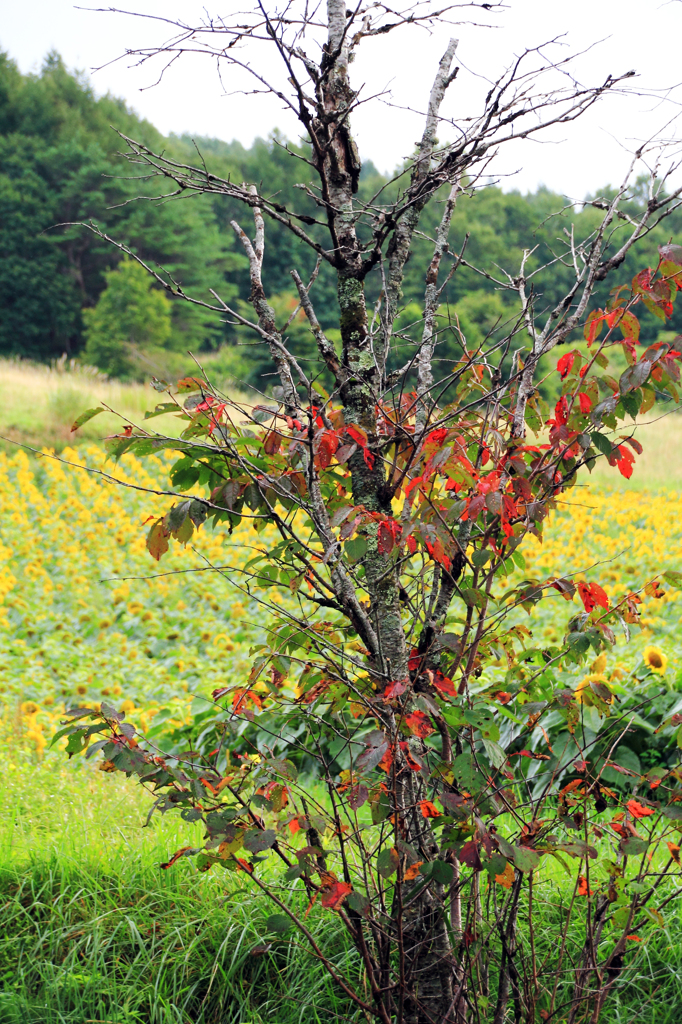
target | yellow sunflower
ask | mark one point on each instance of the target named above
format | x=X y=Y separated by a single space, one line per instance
x=655 y=659
x=583 y=691
x=599 y=664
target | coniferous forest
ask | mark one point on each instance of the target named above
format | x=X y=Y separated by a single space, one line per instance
x=61 y=161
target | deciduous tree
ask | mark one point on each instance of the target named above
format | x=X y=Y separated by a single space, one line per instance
x=399 y=665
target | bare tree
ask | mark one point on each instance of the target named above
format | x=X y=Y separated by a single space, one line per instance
x=393 y=459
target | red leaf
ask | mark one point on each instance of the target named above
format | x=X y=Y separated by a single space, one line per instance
x=565 y=364
x=586 y=596
x=412 y=761
x=358 y=434
x=189 y=384
x=591 y=595
x=444 y=685
x=469 y=855
x=583 y=888
x=561 y=411
x=294 y=825
x=335 y=894
x=674 y=852
x=272 y=443
x=412 y=871
x=638 y=810
x=394 y=689
x=600 y=596
x=593 y=325
x=585 y=402
x=386 y=761
x=326 y=445
x=368 y=457
x=176 y=856
x=437 y=437
x=437 y=552
x=414 y=661
x=641 y=282
x=419 y=725
x=428 y=809
x=385 y=539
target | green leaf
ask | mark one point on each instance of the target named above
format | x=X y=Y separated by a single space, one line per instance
x=442 y=872
x=579 y=643
x=387 y=862
x=174 y=519
x=525 y=860
x=257 y=840
x=198 y=511
x=380 y=808
x=480 y=556
x=358 y=902
x=278 y=923
x=631 y=402
x=162 y=409
x=467 y=774
x=495 y=753
x=673 y=812
x=533 y=419
x=601 y=443
x=285 y=769
x=474 y=598
x=634 y=847
x=84 y=417
x=355 y=548
x=674 y=578
x=184 y=533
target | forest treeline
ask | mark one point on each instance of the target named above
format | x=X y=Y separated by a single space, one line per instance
x=65 y=290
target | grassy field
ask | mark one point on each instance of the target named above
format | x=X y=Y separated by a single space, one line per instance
x=38 y=404
x=91 y=930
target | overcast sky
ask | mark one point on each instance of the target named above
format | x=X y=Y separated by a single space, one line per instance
x=643 y=36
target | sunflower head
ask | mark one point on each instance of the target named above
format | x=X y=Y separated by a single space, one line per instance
x=583 y=691
x=655 y=659
x=599 y=664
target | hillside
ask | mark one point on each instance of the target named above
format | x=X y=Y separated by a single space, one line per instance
x=60 y=161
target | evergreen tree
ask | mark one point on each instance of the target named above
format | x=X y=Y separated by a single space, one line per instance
x=130 y=321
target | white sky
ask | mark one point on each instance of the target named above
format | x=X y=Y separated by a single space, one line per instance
x=643 y=35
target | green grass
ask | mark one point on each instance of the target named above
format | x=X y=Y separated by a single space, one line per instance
x=39 y=403
x=91 y=929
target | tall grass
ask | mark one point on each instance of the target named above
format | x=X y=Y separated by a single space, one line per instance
x=39 y=403
x=91 y=929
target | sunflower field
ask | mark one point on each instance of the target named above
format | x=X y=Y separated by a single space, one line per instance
x=86 y=614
